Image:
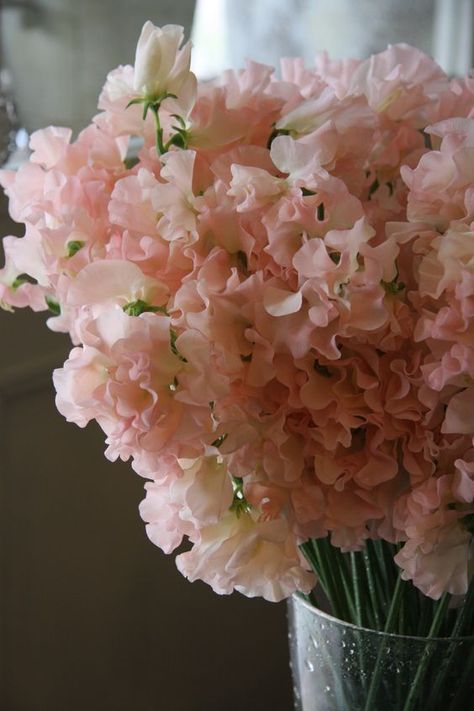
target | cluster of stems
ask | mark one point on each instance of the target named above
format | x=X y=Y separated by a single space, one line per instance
x=365 y=589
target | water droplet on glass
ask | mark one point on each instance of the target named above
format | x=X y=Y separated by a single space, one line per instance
x=309 y=665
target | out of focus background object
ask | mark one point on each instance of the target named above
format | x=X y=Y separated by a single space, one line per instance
x=227 y=32
x=8 y=118
x=453 y=36
x=59 y=51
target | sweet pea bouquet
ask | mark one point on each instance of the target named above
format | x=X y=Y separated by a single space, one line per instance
x=269 y=285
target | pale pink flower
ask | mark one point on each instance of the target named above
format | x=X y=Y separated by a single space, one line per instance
x=440 y=185
x=112 y=281
x=439 y=550
x=275 y=322
x=174 y=200
x=182 y=505
x=253 y=187
x=402 y=83
x=439 y=565
x=251 y=557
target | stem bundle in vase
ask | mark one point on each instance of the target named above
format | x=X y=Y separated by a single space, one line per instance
x=269 y=285
x=366 y=589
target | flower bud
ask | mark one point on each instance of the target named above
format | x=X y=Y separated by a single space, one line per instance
x=160 y=66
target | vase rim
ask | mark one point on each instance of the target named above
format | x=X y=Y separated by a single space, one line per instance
x=299 y=598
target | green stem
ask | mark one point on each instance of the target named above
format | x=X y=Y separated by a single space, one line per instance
x=460 y=628
x=356 y=584
x=320 y=565
x=160 y=148
x=372 y=591
x=375 y=681
x=325 y=560
x=345 y=577
x=337 y=565
x=427 y=653
x=312 y=557
x=412 y=607
x=463 y=695
x=426 y=615
x=402 y=613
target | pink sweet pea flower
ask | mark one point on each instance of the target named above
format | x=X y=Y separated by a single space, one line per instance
x=254 y=558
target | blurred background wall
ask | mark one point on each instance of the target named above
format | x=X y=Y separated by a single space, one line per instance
x=225 y=32
x=93 y=616
x=59 y=51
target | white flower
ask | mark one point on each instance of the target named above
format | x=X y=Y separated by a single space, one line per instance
x=161 y=67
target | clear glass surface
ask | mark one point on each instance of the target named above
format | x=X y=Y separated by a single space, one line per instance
x=334 y=663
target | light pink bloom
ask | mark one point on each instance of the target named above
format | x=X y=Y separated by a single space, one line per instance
x=401 y=82
x=174 y=200
x=441 y=565
x=251 y=557
x=182 y=505
x=276 y=322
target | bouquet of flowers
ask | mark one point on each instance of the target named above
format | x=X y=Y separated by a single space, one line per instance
x=269 y=285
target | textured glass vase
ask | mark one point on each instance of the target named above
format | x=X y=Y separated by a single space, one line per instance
x=338 y=666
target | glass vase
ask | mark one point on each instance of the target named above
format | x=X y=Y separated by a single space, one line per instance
x=338 y=666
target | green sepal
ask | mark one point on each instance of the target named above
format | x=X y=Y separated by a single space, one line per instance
x=53 y=305
x=174 y=347
x=393 y=287
x=178 y=139
x=130 y=163
x=23 y=279
x=181 y=121
x=135 y=308
x=321 y=369
x=374 y=186
x=220 y=440
x=74 y=246
x=277 y=132
x=146 y=106
x=137 y=100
